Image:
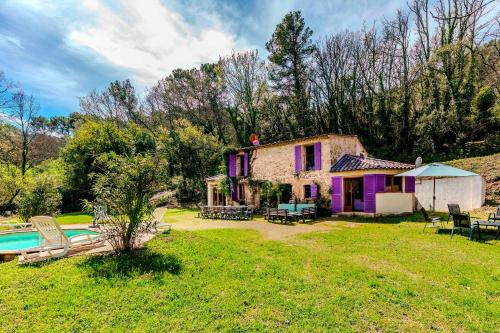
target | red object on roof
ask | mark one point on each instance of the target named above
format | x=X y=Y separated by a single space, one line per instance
x=352 y=162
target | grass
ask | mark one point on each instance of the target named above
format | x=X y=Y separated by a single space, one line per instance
x=74 y=218
x=383 y=275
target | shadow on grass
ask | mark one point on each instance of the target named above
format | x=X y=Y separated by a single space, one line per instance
x=486 y=234
x=126 y=265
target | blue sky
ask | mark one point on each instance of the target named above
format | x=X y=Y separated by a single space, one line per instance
x=60 y=50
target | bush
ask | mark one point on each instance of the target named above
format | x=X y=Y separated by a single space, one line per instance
x=126 y=187
x=11 y=183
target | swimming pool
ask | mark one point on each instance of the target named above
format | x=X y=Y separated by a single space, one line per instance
x=25 y=240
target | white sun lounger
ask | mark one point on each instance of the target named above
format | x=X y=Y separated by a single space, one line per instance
x=54 y=243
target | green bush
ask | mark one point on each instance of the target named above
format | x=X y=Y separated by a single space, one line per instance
x=41 y=191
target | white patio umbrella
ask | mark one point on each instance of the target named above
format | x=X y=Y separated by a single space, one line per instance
x=436 y=170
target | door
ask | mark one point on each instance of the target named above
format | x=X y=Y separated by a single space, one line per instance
x=348 y=195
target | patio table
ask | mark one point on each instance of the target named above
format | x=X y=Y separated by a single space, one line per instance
x=476 y=225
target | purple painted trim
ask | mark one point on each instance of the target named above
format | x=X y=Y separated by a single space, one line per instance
x=314 y=191
x=298 y=158
x=337 y=194
x=232 y=165
x=379 y=183
x=369 y=193
x=245 y=164
x=317 y=156
x=410 y=184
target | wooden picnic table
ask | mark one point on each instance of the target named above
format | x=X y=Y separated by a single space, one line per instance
x=476 y=225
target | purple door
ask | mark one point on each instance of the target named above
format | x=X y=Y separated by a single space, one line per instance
x=336 y=194
x=369 y=193
x=410 y=184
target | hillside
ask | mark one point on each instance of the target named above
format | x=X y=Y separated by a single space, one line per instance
x=489 y=168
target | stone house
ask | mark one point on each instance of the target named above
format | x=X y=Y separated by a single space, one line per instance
x=303 y=167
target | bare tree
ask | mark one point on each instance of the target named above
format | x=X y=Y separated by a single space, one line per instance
x=23 y=110
x=245 y=85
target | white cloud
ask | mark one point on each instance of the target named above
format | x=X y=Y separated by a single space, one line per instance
x=149 y=39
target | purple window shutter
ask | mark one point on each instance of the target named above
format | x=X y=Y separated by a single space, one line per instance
x=245 y=164
x=232 y=165
x=234 y=191
x=314 y=191
x=317 y=156
x=298 y=158
x=369 y=193
x=336 y=194
x=379 y=183
x=410 y=184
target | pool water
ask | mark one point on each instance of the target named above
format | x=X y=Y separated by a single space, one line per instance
x=25 y=240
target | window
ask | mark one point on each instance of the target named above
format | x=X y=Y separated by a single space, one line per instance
x=241 y=192
x=307 y=191
x=309 y=157
x=242 y=165
x=393 y=184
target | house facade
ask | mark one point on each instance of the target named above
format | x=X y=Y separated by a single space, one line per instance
x=305 y=170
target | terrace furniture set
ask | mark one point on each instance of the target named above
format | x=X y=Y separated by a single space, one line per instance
x=289 y=213
x=227 y=212
x=462 y=220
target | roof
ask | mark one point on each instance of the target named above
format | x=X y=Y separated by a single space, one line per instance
x=352 y=162
x=285 y=142
x=215 y=177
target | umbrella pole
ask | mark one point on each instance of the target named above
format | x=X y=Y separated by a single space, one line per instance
x=434 y=195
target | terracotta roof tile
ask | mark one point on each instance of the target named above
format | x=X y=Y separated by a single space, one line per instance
x=352 y=162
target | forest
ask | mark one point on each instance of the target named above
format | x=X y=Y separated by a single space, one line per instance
x=424 y=82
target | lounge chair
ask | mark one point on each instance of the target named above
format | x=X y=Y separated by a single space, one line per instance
x=54 y=243
x=16 y=225
x=431 y=221
x=494 y=217
x=158 y=224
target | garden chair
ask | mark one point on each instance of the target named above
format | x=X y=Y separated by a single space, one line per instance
x=494 y=217
x=15 y=225
x=460 y=220
x=454 y=209
x=158 y=224
x=431 y=221
x=55 y=244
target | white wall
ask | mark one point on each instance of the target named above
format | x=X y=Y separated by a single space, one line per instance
x=394 y=203
x=468 y=192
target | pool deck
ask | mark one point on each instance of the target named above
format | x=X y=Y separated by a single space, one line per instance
x=106 y=248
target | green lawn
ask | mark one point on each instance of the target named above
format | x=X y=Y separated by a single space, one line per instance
x=74 y=218
x=383 y=275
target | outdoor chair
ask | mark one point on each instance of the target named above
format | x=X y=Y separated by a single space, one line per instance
x=248 y=213
x=55 y=244
x=15 y=225
x=431 y=221
x=454 y=209
x=460 y=220
x=494 y=217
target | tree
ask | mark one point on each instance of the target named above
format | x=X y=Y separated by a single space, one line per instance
x=126 y=187
x=118 y=103
x=192 y=155
x=245 y=86
x=11 y=180
x=290 y=49
x=23 y=111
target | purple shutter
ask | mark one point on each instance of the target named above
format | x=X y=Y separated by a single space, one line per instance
x=234 y=191
x=317 y=156
x=410 y=184
x=245 y=164
x=369 y=193
x=314 y=191
x=336 y=194
x=379 y=183
x=298 y=158
x=232 y=165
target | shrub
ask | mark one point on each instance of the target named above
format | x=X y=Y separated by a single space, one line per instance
x=126 y=187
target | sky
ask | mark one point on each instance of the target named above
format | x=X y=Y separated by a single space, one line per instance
x=61 y=50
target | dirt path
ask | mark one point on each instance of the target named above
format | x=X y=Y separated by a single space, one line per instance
x=273 y=231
